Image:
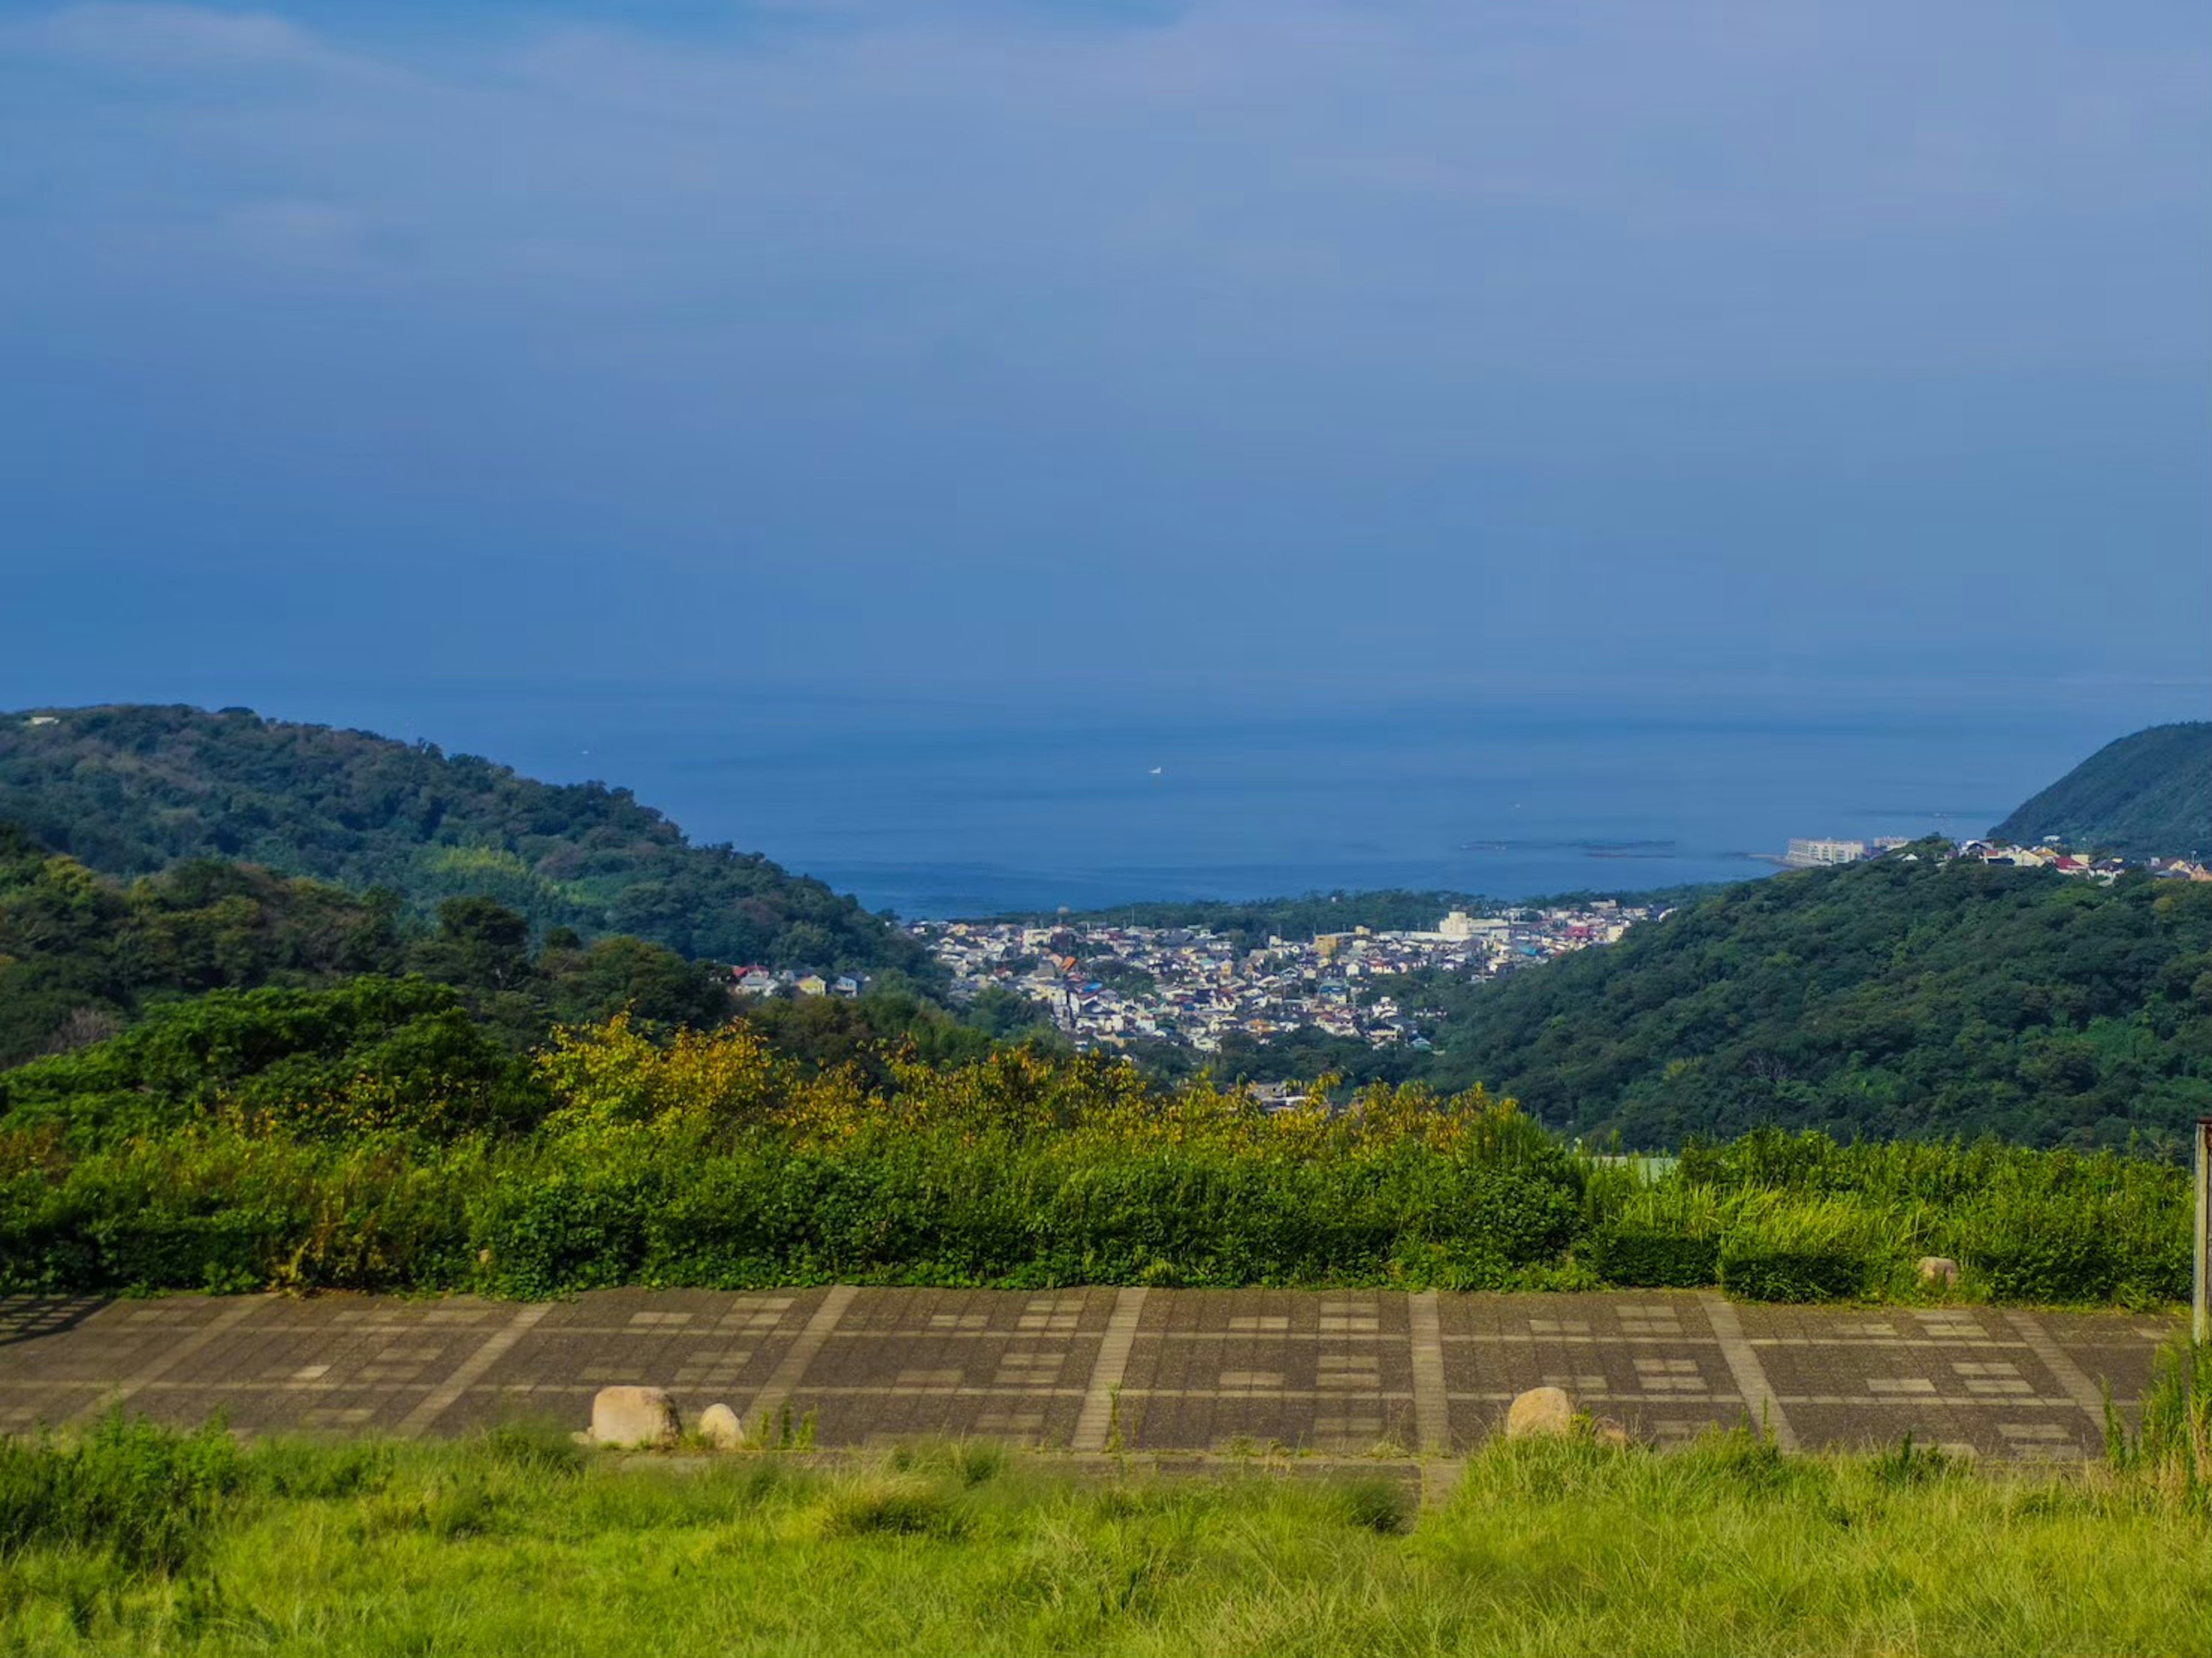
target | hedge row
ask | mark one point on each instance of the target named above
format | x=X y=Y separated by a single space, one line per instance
x=229 y=1215
x=708 y=1160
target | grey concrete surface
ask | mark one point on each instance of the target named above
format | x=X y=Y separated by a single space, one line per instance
x=1346 y=1373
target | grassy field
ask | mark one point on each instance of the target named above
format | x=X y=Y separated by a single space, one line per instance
x=143 y=1542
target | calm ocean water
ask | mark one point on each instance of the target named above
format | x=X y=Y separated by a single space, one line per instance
x=942 y=809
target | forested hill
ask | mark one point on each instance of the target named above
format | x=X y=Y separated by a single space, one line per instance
x=2146 y=796
x=1891 y=998
x=130 y=790
x=84 y=956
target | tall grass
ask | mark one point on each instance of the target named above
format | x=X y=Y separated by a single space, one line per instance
x=2173 y=1451
x=497 y=1545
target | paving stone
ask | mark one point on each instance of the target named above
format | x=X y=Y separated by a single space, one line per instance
x=1329 y=1372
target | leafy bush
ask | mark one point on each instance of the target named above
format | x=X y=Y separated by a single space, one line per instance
x=2038 y=1260
x=1641 y=1256
x=373 y=1056
x=1759 y=1272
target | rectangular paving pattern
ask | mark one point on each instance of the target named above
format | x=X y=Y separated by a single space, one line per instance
x=1160 y=1372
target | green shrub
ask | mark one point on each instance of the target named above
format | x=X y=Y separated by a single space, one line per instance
x=1643 y=1257
x=568 y=1230
x=1758 y=1271
x=2049 y=1262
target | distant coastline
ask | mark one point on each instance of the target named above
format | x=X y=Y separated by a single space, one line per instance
x=1651 y=848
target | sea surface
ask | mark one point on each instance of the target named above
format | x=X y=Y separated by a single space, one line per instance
x=936 y=807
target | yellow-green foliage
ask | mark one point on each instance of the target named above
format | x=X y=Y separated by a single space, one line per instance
x=496 y=871
x=627 y=1155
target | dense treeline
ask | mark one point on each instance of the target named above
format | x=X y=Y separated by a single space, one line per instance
x=82 y=956
x=378 y=1137
x=2148 y=795
x=133 y=790
x=1894 y=998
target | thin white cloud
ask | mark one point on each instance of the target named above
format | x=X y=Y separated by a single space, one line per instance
x=185 y=40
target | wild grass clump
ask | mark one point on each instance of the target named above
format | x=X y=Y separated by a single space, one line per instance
x=2171 y=1453
x=1383 y=1506
x=140 y=1494
x=894 y=1504
x=531 y=1445
x=967 y=1462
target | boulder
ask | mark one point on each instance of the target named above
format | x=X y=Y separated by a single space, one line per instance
x=633 y=1416
x=1939 y=1270
x=720 y=1427
x=1540 y=1414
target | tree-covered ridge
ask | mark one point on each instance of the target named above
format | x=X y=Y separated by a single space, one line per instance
x=2148 y=795
x=130 y=790
x=84 y=956
x=1900 y=998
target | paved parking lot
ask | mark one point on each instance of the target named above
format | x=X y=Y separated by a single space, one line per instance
x=1339 y=1373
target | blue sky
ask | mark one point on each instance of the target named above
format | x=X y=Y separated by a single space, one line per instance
x=1247 y=350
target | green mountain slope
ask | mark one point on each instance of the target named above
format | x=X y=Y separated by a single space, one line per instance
x=129 y=790
x=84 y=954
x=1892 y=999
x=2147 y=795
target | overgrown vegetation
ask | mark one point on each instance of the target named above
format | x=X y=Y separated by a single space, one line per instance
x=133 y=790
x=375 y=1138
x=511 y=1542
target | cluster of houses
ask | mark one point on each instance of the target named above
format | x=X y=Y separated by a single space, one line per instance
x=760 y=982
x=2052 y=854
x=1110 y=986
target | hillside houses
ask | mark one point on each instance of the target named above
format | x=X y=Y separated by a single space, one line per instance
x=759 y=981
x=1108 y=985
x=2049 y=855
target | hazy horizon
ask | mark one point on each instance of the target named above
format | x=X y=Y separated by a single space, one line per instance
x=992 y=370
x=910 y=808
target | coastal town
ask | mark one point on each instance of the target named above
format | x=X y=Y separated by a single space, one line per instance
x=1109 y=985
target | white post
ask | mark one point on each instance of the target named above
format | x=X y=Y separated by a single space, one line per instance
x=2200 y=1328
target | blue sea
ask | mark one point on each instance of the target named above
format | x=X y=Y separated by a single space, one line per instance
x=1032 y=801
